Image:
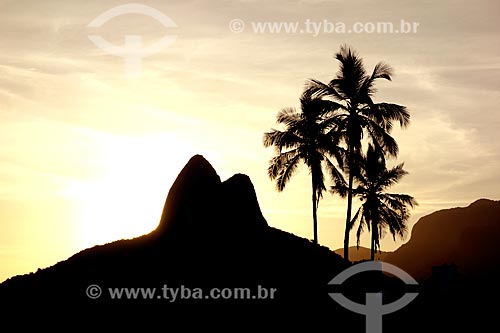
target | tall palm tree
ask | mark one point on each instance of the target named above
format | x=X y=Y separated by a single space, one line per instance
x=305 y=140
x=380 y=210
x=357 y=116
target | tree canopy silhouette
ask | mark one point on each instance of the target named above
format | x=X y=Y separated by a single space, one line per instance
x=380 y=210
x=306 y=138
x=357 y=116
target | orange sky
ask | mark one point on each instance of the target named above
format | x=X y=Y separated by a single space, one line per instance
x=88 y=153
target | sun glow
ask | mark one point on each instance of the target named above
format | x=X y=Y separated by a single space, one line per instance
x=127 y=198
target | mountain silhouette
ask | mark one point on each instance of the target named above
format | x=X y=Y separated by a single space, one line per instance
x=190 y=202
x=454 y=254
x=466 y=237
x=212 y=234
x=463 y=237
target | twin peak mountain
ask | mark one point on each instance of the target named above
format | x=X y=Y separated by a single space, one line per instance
x=199 y=205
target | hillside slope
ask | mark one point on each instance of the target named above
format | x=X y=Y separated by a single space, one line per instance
x=464 y=236
x=212 y=234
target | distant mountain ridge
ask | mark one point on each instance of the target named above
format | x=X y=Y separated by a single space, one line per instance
x=463 y=236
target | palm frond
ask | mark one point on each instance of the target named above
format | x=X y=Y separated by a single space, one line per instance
x=320 y=89
x=281 y=139
x=288 y=117
x=392 y=176
x=381 y=138
x=398 y=201
x=318 y=178
x=351 y=72
x=286 y=172
x=382 y=71
x=395 y=220
x=361 y=226
x=279 y=162
x=359 y=214
x=393 y=112
x=331 y=108
x=337 y=178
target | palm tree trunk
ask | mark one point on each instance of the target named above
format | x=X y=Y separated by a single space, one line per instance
x=315 y=218
x=372 y=252
x=349 y=207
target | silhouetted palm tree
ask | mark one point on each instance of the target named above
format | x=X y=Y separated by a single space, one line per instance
x=357 y=116
x=305 y=139
x=380 y=209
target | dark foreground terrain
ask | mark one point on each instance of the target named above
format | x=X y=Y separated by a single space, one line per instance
x=212 y=235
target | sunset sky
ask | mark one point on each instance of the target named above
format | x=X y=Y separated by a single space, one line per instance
x=88 y=153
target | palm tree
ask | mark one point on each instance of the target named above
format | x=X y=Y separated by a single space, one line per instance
x=305 y=140
x=357 y=116
x=380 y=209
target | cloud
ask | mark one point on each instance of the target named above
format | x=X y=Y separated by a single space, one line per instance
x=215 y=91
